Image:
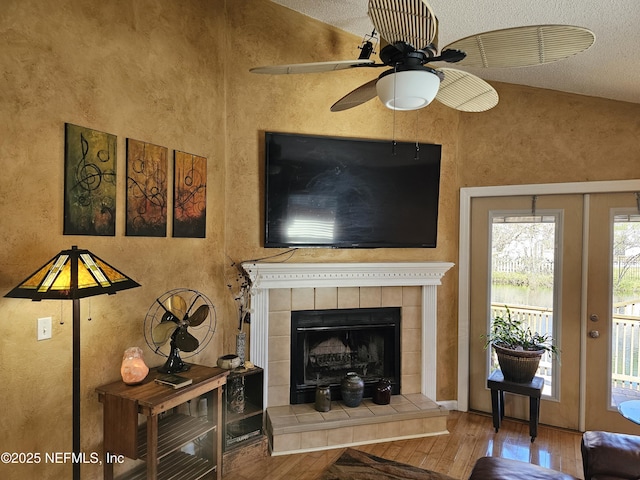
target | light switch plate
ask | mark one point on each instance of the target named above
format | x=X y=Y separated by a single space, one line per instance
x=44 y=328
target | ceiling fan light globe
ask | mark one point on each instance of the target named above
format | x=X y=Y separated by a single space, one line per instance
x=408 y=90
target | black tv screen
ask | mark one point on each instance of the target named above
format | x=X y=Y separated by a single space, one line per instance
x=350 y=193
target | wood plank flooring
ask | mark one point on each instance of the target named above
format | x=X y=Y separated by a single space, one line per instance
x=471 y=436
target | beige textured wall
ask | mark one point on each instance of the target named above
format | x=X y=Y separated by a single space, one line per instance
x=544 y=136
x=174 y=73
x=145 y=70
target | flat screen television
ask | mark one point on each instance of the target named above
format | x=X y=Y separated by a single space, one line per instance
x=350 y=193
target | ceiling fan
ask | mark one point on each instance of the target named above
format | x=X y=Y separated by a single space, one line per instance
x=409 y=30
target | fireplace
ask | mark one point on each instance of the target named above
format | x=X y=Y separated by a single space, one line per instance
x=326 y=344
x=282 y=288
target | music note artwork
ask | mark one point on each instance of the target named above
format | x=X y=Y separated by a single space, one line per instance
x=190 y=195
x=89 y=182
x=146 y=189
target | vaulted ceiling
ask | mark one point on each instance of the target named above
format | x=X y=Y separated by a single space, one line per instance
x=609 y=69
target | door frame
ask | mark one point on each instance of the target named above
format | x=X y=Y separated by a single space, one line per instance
x=467 y=194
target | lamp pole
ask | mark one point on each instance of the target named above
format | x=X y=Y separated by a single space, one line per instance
x=76 y=372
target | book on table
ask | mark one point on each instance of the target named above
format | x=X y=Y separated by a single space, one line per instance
x=173 y=380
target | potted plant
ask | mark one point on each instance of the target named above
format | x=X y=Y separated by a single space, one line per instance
x=518 y=349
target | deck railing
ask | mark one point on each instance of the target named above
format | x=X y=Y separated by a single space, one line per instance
x=625 y=331
x=625 y=341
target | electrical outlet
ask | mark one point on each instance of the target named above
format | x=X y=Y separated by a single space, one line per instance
x=44 y=328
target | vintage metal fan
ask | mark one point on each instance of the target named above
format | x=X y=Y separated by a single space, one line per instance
x=180 y=320
x=410 y=82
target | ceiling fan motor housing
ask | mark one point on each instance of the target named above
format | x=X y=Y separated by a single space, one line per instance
x=408 y=88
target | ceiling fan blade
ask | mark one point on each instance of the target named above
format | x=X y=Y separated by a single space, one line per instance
x=161 y=332
x=465 y=92
x=356 y=97
x=316 y=67
x=409 y=21
x=176 y=305
x=185 y=341
x=199 y=316
x=523 y=46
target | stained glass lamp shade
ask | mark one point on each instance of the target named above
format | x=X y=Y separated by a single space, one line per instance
x=72 y=274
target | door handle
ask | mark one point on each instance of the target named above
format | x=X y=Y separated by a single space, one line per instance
x=594 y=333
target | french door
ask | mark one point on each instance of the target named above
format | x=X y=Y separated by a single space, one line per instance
x=551 y=260
x=612 y=316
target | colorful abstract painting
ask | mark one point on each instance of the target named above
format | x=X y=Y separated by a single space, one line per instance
x=89 y=182
x=190 y=195
x=146 y=189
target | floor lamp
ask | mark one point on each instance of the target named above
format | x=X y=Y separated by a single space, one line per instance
x=72 y=275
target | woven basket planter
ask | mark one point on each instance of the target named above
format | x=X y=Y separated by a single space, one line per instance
x=518 y=366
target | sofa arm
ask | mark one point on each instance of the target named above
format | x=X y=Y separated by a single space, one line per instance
x=607 y=455
x=496 y=468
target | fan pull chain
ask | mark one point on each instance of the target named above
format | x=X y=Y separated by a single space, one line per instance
x=393 y=142
x=417 y=157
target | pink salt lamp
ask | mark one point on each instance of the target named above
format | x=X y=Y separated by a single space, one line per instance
x=133 y=369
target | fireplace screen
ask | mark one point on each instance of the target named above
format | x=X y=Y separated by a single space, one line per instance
x=326 y=344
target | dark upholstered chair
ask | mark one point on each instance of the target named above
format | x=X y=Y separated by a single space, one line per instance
x=605 y=456
x=610 y=456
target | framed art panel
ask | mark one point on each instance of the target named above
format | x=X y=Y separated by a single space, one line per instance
x=89 y=182
x=190 y=195
x=146 y=189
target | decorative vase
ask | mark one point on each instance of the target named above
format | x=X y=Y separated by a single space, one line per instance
x=323 y=398
x=241 y=342
x=518 y=366
x=235 y=392
x=351 y=389
x=382 y=392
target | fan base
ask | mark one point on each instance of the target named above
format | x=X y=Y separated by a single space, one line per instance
x=164 y=369
x=174 y=364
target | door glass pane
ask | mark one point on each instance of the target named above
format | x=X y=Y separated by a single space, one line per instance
x=523 y=259
x=625 y=328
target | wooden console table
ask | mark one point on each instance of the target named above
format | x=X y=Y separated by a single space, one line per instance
x=159 y=441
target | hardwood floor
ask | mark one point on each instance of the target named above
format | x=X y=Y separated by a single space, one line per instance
x=471 y=436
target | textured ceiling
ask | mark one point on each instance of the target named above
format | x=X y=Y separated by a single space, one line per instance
x=609 y=69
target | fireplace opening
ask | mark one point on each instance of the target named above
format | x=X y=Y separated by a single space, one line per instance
x=326 y=344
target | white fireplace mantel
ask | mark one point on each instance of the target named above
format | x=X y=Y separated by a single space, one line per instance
x=318 y=275
x=267 y=276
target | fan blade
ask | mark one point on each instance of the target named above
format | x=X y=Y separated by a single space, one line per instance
x=185 y=341
x=161 y=332
x=316 y=67
x=176 y=305
x=523 y=46
x=465 y=92
x=199 y=316
x=356 y=97
x=409 y=21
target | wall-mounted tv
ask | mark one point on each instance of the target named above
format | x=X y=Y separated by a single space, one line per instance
x=350 y=193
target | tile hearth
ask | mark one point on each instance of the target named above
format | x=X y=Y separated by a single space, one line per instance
x=300 y=428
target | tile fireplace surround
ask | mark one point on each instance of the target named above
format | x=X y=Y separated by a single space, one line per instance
x=279 y=288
